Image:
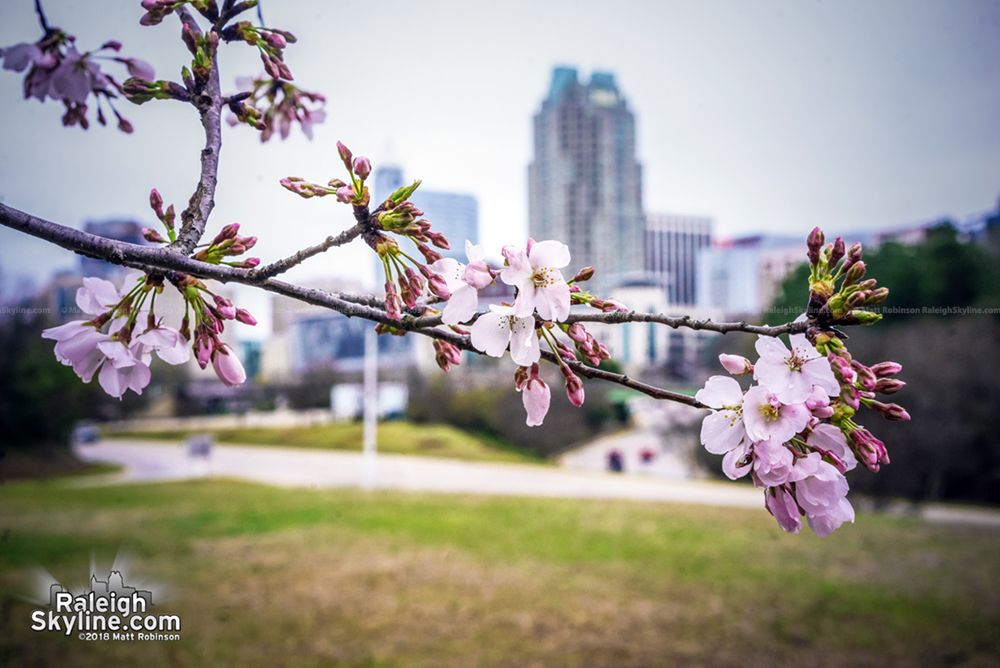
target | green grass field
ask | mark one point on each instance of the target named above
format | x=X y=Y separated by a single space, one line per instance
x=404 y=438
x=269 y=577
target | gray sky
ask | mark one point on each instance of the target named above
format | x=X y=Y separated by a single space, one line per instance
x=773 y=115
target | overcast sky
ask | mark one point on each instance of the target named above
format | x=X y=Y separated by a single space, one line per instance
x=772 y=115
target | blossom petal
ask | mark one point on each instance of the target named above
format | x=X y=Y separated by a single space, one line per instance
x=491 y=334
x=525 y=348
x=549 y=254
x=552 y=301
x=720 y=391
x=461 y=305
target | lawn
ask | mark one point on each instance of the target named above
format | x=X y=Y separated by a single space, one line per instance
x=404 y=438
x=271 y=577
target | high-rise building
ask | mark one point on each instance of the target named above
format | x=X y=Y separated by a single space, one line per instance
x=672 y=245
x=584 y=185
x=454 y=215
x=120 y=230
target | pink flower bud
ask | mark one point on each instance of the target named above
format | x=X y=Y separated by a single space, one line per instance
x=156 y=203
x=248 y=263
x=613 y=305
x=837 y=253
x=574 y=386
x=245 y=317
x=891 y=411
x=438 y=240
x=855 y=273
x=228 y=367
x=815 y=243
x=584 y=274
x=228 y=232
x=345 y=154
x=577 y=332
x=362 y=167
x=345 y=194
x=203 y=351
x=853 y=255
x=152 y=236
x=435 y=282
x=736 y=364
x=430 y=255
x=393 y=305
x=889 y=385
x=869 y=450
x=886 y=369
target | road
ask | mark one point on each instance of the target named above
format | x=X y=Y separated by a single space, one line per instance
x=290 y=467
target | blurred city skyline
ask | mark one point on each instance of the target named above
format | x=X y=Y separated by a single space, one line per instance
x=846 y=115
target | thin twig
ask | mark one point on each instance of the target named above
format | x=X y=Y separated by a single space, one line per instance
x=281 y=266
x=619 y=317
x=41 y=17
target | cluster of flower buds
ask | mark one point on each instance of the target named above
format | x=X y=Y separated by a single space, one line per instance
x=830 y=306
x=269 y=41
x=405 y=277
x=229 y=243
x=56 y=70
x=794 y=432
x=165 y=217
x=268 y=105
x=209 y=323
x=203 y=47
x=586 y=345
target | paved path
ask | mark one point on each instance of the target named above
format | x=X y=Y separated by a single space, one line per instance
x=661 y=426
x=289 y=467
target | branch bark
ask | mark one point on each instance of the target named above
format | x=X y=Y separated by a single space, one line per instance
x=619 y=317
x=209 y=105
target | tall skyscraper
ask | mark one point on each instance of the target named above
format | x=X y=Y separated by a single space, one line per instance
x=585 y=186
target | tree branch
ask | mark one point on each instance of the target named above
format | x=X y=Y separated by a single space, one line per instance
x=209 y=104
x=281 y=266
x=367 y=307
x=619 y=317
x=41 y=17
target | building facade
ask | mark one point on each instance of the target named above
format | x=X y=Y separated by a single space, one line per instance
x=672 y=246
x=584 y=184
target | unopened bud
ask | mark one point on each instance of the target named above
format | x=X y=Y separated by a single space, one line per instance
x=228 y=232
x=736 y=364
x=574 y=386
x=345 y=155
x=886 y=369
x=889 y=385
x=855 y=273
x=245 y=317
x=891 y=411
x=156 y=202
x=814 y=244
x=152 y=236
x=584 y=274
x=362 y=167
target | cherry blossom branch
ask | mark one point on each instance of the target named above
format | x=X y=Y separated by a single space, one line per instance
x=281 y=266
x=351 y=305
x=209 y=104
x=620 y=317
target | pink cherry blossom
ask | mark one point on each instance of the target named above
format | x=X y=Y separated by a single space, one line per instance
x=821 y=491
x=723 y=430
x=464 y=283
x=736 y=464
x=537 y=277
x=493 y=330
x=781 y=504
x=772 y=463
x=227 y=366
x=791 y=375
x=168 y=343
x=828 y=438
x=125 y=368
x=766 y=417
x=77 y=346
